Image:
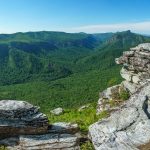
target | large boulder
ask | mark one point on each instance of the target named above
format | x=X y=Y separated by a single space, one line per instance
x=131 y=87
x=60 y=136
x=127 y=75
x=126 y=128
x=20 y=117
x=24 y=127
x=135 y=71
x=57 y=111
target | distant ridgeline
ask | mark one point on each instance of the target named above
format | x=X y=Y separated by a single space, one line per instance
x=48 y=56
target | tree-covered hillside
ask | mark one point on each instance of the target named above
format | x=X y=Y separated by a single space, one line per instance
x=45 y=55
x=54 y=69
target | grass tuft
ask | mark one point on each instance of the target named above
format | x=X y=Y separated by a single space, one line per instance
x=83 y=118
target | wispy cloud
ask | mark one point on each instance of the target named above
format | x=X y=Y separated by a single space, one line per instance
x=139 y=27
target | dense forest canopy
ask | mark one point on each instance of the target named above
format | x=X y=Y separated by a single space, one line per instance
x=61 y=69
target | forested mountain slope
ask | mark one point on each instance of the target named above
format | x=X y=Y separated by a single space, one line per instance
x=41 y=54
x=68 y=69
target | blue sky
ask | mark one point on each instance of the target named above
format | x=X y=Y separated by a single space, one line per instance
x=91 y=16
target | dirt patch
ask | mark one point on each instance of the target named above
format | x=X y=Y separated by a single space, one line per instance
x=145 y=147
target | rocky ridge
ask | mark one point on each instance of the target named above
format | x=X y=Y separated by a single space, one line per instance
x=24 y=127
x=135 y=71
x=128 y=125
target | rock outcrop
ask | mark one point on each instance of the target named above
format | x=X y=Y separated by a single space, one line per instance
x=24 y=127
x=57 y=111
x=82 y=108
x=19 y=117
x=128 y=126
x=135 y=71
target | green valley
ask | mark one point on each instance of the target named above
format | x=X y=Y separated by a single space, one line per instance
x=57 y=69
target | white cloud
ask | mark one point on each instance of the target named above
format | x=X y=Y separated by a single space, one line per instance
x=138 y=27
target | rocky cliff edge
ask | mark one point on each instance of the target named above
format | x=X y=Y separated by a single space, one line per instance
x=128 y=126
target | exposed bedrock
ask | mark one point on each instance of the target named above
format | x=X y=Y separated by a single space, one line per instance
x=135 y=71
x=128 y=126
x=24 y=127
x=20 y=117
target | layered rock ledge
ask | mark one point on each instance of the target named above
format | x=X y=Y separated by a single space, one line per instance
x=19 y=117
x=24 y=127
x=135 y=71
x=128 y=126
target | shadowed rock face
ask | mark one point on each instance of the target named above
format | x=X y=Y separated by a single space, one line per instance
x=47 y=142
x=23 y=127
x=19 y=117
x=128 y=127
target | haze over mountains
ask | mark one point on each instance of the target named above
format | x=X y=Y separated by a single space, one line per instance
x=61 y=57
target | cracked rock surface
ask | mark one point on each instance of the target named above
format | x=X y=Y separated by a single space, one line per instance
x=24 y=127
x=20 y=117
x=126 y=128
x=135 y=71
x=47 y=142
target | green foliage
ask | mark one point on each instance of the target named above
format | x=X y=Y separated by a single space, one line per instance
x=46 y=56
x=3 y=148
x=39 y=55
x=70 y=92
x=112 y=82
x=87 y=146
x=119 y=97
x=113 y=103
x=124 y=95
x=82 y=118
x=57 y=69
x=52 y=69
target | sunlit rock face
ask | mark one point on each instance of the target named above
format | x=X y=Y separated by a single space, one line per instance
x=128 y=125
x=135 y=71
x=136 y=64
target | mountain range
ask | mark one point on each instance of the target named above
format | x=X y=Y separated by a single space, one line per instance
x=64 y=64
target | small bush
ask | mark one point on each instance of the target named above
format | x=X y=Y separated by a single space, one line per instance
x=118 y=97
x=124 y=95
x=112 y=82
x=3 y=148
x=87 y=146
x=112 y=103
